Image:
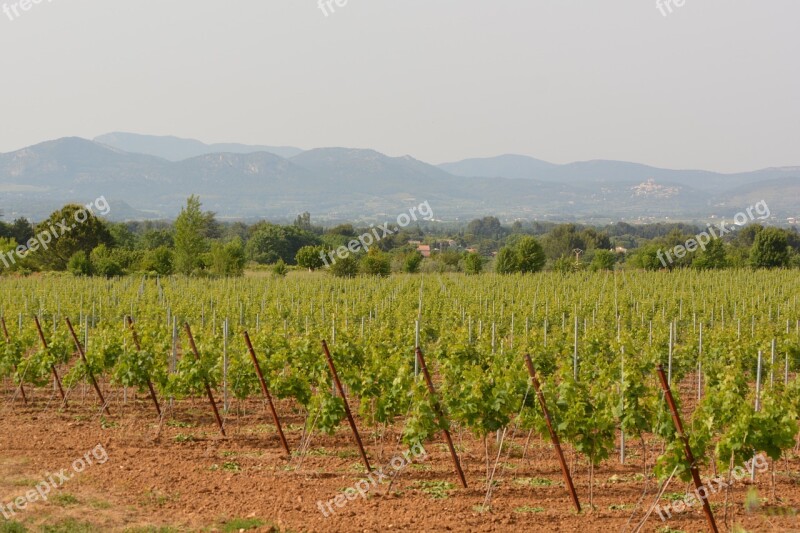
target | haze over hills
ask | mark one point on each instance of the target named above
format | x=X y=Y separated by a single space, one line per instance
x=178 y=149
x=337 y=184
x=602 y=171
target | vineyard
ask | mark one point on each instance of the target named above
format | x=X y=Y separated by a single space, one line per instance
x=167 y=374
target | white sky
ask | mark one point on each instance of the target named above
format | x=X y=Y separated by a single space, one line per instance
x=714 y=85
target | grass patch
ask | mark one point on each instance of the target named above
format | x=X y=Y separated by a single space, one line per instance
x=231 y=466
x=184 y=437
x=243 y=524
x=534 y=482
x=242 y=454
x=108 y=424
x=346 y=454
x=12 y=527
x=262 y=429
x=178 y=424
x=70 y=525
x=321 y=452
x=100 y=504
x=157 y=498
x=780 y=511
x=152 y=529
x=64 y=499
x=528 y=509
x=358 y=467
x=438 y=490
x=23 y=482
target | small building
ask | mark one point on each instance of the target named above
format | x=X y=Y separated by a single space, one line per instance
x=424 y=249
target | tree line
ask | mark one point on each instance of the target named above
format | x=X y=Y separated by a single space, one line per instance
x=198 y=244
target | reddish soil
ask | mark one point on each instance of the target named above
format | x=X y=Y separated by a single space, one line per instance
x=184 y=476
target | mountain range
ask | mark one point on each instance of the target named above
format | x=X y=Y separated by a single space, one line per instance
x=150 y=177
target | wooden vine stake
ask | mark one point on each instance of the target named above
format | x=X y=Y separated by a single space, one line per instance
x=86 y=364
x=553 y=435
x=205 y=381
x=676 y=418
x=266 y=393
x=53 y=366
x=440 y=415
x=149 y=382
x=8 y=340
x=350 y=419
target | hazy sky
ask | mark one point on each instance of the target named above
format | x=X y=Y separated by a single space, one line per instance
x=715 y=84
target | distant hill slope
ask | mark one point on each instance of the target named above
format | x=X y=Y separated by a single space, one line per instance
x=506 y=166
x=604 y=171
x=178 y=149
x=337 y=184
x=782 y=195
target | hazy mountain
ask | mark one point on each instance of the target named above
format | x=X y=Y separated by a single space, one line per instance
x=604 y=171
x=782 y=195
x=178 y=149
x=361 y=185
x=506 y=166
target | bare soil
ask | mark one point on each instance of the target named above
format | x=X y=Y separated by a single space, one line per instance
x=182 y=475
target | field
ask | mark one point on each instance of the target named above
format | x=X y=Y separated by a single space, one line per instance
x=729 y=344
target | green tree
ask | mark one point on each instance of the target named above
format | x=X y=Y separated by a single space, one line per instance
x=227 y=259
x=122 y=235
x=770 y=249
x=8 y=245
x=159 y=260
x=506 y=261
x=270 y=242
x=22 y=230
x=79 y=264
x=154 y=238
x=345 y=268
x=486 y=228
x=412 y=262
x=648 y=258
x=713 y=257
x=71 y=229
x=303 y=221
x=309 y=257
x=5 y=230
x=473 y=263
x=562 y=240
x=530 y=255
x=103 y=262
x=280 y=269
x=191 y=228
x=565 y=264
x=603 y=260
x=376 y=263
